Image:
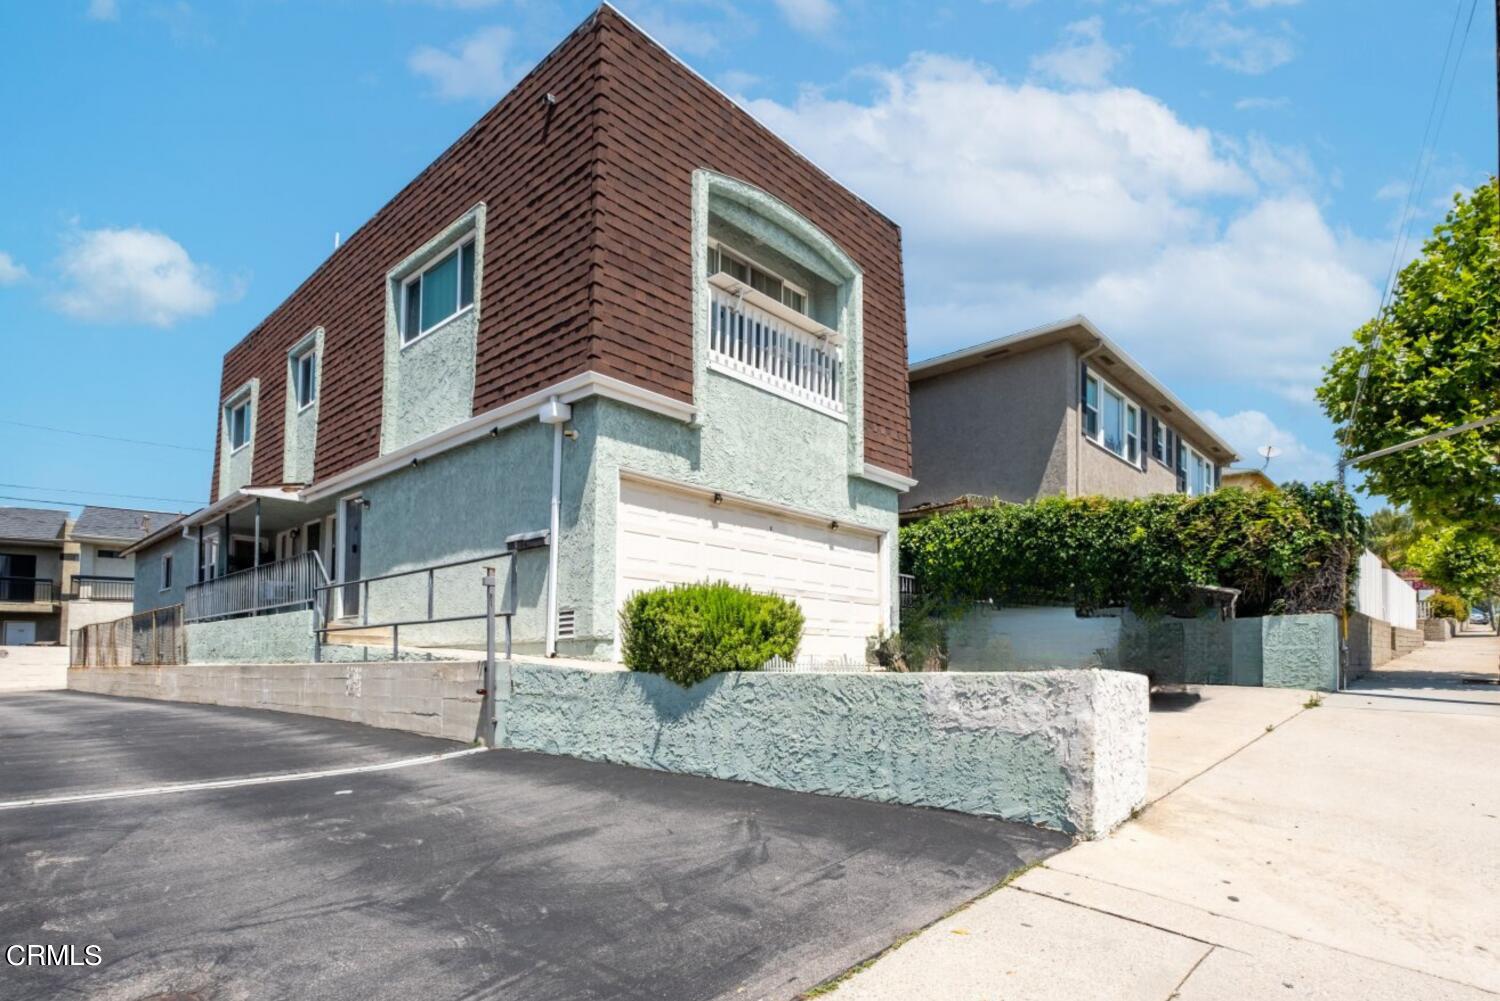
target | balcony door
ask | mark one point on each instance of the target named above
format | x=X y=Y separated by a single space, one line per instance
x=351 y=525
x=17 y=577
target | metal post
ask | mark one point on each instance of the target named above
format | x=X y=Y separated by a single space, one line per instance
x=429 y=594
x=395 y=642
x=489 y=653
x=364 y=603
x=255 y=560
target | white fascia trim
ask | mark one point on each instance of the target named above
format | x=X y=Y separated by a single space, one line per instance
x=574 y=388
x=886 y=478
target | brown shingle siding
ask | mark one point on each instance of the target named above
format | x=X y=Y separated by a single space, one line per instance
x=587 y=244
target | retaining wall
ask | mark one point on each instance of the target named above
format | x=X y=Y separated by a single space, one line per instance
x=1062 y=749
x=1296 y=651
x=438 y=699
x=33 y=668
x=1437 y=630
x=279 y=638
x=1373 y=642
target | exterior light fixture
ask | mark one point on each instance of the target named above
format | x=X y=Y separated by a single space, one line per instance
x=718 y=498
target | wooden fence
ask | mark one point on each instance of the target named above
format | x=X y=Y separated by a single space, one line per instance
x=155 y=638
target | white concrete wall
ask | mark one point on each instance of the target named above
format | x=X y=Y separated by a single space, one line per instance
x=33 y=668
x=1032 y=639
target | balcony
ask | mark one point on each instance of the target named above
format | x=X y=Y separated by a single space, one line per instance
x=28 y=593
x=88 y=587
x=755 y=338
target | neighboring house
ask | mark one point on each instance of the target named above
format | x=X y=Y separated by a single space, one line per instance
x=31 y=569
x=1057 y=410
x=57 y=574
x=620 y=328
x=1248 y=479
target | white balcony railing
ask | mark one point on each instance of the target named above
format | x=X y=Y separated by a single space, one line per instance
x=270 y=587
x=769 y=344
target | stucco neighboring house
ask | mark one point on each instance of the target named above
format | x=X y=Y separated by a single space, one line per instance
x=1055 y=410
x=1248 y=479
x=619 y=329
x=57 y=574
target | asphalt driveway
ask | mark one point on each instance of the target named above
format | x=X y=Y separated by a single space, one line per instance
x=490 y=875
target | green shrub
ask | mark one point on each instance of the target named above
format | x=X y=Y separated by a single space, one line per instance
x=1284 y=551
x=692 y=631
x=1448 y=606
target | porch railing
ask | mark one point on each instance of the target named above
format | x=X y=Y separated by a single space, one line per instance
x=89 y=587
x=28 y=590
x=755 y=342
x=907 y=588
x=270 y=587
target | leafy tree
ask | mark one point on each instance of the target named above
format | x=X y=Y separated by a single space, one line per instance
x=1436 y=365
x=1392 y=531
x=1459 y=561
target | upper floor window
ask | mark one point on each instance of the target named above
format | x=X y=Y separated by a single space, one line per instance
x=438 y=292
x=1110 y=419
x=238 y=419
x=1158 y=441
x=166 y=571
x=723 y=260
x=107 y=554
x=305 y=376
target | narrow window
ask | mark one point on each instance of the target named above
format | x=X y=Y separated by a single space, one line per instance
x=441 y=291
x=1091 y=406
x=239 y=425
x=1158 y=441
x=466 y=275
x=166 y=571
x=1132 y=434
x=1113 y=415
x=306 y=369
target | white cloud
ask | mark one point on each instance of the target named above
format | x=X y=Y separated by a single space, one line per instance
x=810 y=16
x=134 y=276
x=1083 y=59
x=738 y=81
x=476 y=67
x=1262 y=104
x=11 y=271
x=103 y=10
x=1021 y=204
x=1248 y=430
x=1230 y=43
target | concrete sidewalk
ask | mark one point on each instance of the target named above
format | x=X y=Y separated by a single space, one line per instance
x=1349 y=852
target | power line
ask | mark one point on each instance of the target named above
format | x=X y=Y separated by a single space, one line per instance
x=99 y=493
x=1418 y=183
x=105 y=437
x=59 y=502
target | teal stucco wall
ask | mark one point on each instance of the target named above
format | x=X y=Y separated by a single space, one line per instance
x=148 y=590
x=1063 y=749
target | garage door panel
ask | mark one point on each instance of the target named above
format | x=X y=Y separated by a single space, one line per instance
x=670 y=536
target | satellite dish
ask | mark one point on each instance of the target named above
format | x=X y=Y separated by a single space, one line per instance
x=1268 y=452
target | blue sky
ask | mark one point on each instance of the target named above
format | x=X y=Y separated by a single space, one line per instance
x=1216 y=183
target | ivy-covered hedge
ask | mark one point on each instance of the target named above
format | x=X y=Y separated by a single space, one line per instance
x=693 y=631
x=1284 y=551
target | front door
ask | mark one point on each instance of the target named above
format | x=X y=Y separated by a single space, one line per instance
x=353 y=519
x=20 y=633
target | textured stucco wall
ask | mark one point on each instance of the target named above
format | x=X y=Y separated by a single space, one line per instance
x=1032 y=639
x=285 y=637
x=1301 y=651
x=436 y=699
x=302 y=424
x=429 y=383
x=801 y=464
x=234 y=466
x=999 y=429
x=1063 y=749
x=148 y=590
x=457 y=505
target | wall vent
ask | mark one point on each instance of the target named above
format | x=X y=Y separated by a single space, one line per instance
x=565 y=623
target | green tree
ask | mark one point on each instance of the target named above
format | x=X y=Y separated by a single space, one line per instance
x=1459 y=561
x=1392 y=531
x=1436 y=365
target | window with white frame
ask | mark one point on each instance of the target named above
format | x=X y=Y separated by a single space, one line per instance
x=438 y=292
x=1196 y=474
x=166 y=571
x=1111 y=420
x=1158 y=441
x=305 y=377
x=722 y=259
x=237 y=419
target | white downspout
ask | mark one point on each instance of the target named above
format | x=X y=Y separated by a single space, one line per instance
x=556 y=413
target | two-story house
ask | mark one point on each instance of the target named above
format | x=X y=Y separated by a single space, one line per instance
x=1056 y=410
x=58 y=573
x=619 y=328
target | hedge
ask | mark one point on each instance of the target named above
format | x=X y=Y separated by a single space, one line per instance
x=1283 y=550
x=1448 y=606
x=692 y=631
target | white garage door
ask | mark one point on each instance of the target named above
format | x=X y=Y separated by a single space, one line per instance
x=670 y=536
